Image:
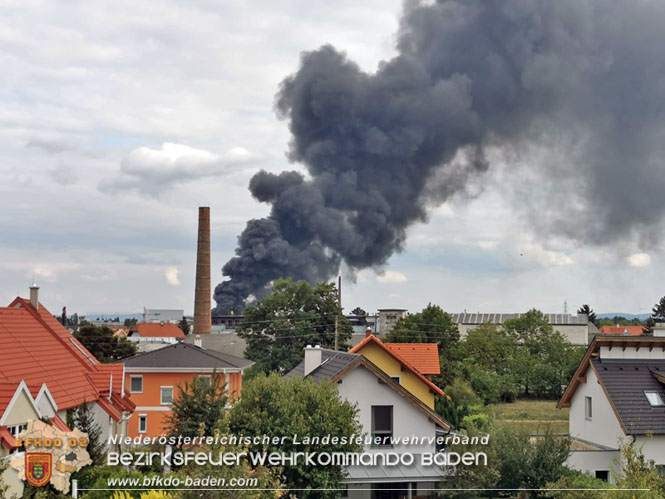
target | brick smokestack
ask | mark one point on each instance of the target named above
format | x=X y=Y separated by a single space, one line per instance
x=202 y=305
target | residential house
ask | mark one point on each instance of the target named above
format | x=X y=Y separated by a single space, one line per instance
x=622 y=330
x=151 y=335
x=577 y=329
x=617 y=395
x=392 y=360
x=387 y=410
x=153 y=379
x=45 y=372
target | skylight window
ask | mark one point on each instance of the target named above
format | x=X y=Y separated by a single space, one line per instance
x=654 y=398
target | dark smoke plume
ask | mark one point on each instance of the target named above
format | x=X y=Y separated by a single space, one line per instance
x=582 y=79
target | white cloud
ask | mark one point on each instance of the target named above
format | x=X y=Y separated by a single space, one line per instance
x=171 y=274
x=391 y=277
x=154 y=170
x=548 y=258
x=639 y=260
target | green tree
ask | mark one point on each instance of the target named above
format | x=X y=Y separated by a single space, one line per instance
x=294 y=315
x=277 y=407
x=268 y=478
x=197 y=406
x=586 y=309
x=184 y=326
x=515 y=460
x=638 y=473
x=101 y=343
x=569 y=484
x=432 y=325
x=83 y=419
x=130 y=322
x=658 y=311
x=359 y=312
x=4 y=488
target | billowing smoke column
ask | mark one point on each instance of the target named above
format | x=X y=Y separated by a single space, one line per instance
x=583 y=80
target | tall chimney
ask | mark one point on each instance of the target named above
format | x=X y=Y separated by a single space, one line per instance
x=202 y=305
x=34 y=296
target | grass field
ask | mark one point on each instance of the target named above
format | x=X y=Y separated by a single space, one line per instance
x=535 y=415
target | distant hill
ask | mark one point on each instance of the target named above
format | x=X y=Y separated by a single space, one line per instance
x=630 y=317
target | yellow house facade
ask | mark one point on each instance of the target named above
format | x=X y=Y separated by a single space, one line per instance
x=399 y=369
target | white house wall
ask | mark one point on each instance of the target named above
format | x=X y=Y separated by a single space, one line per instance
x=631 y=353
x=363 y=388
x=603 y=428
x=653 y=448
x=591 y=461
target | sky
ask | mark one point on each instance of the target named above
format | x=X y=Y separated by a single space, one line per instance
x=118 y=120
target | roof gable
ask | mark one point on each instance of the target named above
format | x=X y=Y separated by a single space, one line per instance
x=624 y=380
x=36 y=348
x=336 y=365
x=371 y=339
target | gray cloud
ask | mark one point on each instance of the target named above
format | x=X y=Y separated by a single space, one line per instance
x=518 y=75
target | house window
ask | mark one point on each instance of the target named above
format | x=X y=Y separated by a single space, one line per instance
x=654 y=398
x=588 y=408
x=15 y=430
x=603 y=475
x=382 y=424
x=136 y=384
x=166 y=395
x=143 y=423
x=206 y=378
x=397 y=379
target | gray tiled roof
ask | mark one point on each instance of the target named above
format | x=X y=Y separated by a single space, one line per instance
x=625 y=382
x=181 y=355
x=228 y=343
x=558 y=319
x=332 y=363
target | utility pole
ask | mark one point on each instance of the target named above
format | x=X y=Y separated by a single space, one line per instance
x=339 y=302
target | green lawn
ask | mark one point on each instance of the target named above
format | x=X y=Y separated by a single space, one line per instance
x=532 y=414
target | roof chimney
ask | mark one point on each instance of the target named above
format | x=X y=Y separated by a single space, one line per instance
x=34 y=296
x=312 y=358
x=202 y=305
x=197 y=341
x=368 y=332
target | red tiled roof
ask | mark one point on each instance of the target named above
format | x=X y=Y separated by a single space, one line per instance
x=7 y=391
x=36 y=348
x=57 y=422
x=422 y=356
x=623 y=330
x=112 y=411
x=402 y=360
x=6 y=438
x=158 y=330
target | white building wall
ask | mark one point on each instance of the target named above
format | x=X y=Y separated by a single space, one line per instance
x=595 y=460
x=631 y=353
x=105 y=422
x=577 y=334
x=653 y=448
x=603 y=428
x=363 y=388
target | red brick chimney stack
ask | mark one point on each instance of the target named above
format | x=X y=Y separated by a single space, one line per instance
x=202 y=305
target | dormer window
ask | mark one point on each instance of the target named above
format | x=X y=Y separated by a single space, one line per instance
x=654 y=398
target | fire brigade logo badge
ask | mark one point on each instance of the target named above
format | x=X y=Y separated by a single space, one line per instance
x=38 y=468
